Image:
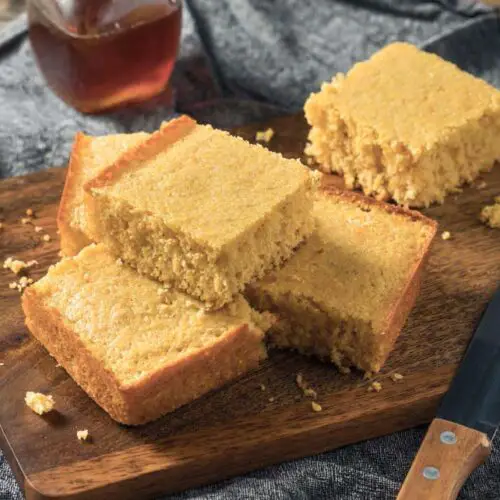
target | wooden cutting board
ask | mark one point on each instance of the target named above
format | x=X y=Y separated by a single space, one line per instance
x=241 y=427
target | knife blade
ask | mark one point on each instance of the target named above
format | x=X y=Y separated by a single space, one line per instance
x=459 y=438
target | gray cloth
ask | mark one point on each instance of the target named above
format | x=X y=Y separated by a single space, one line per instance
x=244 y=60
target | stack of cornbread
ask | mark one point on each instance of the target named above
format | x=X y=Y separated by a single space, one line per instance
x=188 y=250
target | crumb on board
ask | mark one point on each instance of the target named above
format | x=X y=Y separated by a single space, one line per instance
x=375 y=387
x=82 y=435
x=16 y=266
x=271 y=400
x=26 y=220
x=395 y=377
x=316 y=406
x=344 y=369
x=262 y=387
x=21 y=284
x=29 y=212
x=46 y=237
x=38 y=402
x=264 y=135
x=304 y=387
x=2 y=364
x=490 y=214
x=446 y=235
x=481 y=185
x=367 y=376
x=38 y=229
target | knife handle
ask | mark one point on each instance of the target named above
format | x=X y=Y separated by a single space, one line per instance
x=446 y=458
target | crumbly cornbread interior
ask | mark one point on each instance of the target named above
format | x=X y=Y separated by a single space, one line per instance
x=405 y=125
x=334 y=295
x=130 y=323
x=206 y=214
x=89 y=157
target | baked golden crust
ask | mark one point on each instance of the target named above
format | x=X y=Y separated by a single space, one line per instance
x=72 y=239
x=171 y=132
x=89 y=156
x=161 y=391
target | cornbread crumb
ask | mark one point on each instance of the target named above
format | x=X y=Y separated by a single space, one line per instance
x=46 y=237
x=29 y=212
x=271 y=400
x=490 y=214
x=2 y=364
x=316 y=406
x=304 y=387
x=367 y=375
x=344 y=369
x=262 y=387
x=375 y=387
x=265 y=135
x=21 y=284
x=82 y=435
x=38 y=402
x=25 y=220
x=16 y=266
x=481 y=185
x=395 y=377
x=446 y=235
x=38 y=229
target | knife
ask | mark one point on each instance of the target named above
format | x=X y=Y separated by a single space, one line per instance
x=459 y=438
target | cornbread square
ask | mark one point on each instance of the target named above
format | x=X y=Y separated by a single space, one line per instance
x=405 y=125
x=137 y=349
x=201 y=210
x=89 y=156
x=345 y=294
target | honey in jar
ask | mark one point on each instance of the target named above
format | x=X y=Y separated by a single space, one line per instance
x=98 y=54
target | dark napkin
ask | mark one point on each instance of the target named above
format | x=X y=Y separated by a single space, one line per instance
x=241 y=61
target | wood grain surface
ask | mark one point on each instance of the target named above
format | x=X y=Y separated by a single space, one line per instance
x=239 y=428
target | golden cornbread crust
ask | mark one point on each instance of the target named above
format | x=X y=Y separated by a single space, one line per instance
x=186 y=239
x=72 y=239
x=156 y=394
x=346 y=337
x=70 y=219
x=405 y=125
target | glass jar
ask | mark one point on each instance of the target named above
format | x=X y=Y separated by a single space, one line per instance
x=98 y=54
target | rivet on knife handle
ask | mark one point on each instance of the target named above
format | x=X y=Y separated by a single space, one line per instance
x=447 y=456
